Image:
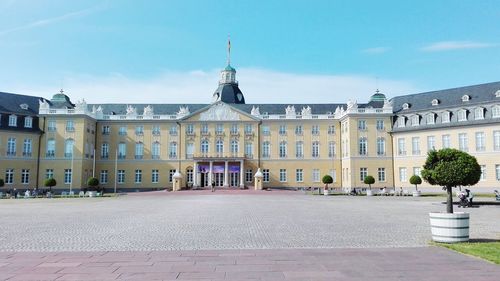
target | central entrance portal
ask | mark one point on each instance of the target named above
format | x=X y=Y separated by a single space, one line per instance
x=222 y=173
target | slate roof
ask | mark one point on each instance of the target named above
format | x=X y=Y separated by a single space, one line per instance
x=10 y=103
x=449 y=98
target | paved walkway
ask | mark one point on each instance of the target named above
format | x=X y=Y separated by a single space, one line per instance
x=388 y=264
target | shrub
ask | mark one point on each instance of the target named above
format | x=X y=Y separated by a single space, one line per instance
x=93 y=182
x=451 y=168
x=50 y=182
x=369 y=180
x=327 y=179
x=416 y=180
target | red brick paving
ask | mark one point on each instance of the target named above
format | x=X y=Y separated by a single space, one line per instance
x=403 y=264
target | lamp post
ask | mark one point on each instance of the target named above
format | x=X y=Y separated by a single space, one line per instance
x=116 y=169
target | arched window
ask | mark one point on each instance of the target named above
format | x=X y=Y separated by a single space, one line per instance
x=266 y=149
x=282 y=149
x=315 y=149
x=380 y=146
x=105 y=151
x=68 y=147
x=139 y=150
x=172 y=150
x=155 y=151
x=363 y=143
x=219 y=146
x=204 y=146
x=234 y=146
x=331 y=149
x=51 y=148
x=299 y=149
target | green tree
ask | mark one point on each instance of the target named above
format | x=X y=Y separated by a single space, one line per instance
x=327 y=179
x=369 y=180
x=416 y=180
x=451 y=168
x=50 y=182
x=93 y=182
x=2 y=183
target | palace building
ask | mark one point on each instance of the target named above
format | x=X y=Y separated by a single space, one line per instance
x=234 y=144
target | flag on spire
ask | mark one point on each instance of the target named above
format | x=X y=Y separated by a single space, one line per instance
x=228 y=50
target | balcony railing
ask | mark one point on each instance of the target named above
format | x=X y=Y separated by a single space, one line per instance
x=122 y=156
x=155 y=157
x=249 y=156
x=105 y=156
x=122 y=133
x=156 y=133
x=189 y=156
x=139 y=156
x=70 y=129
x=172 y=156
x=11 y=153
x=50 y=154
x=26 y=154
x=51 y=129
x=68 y=155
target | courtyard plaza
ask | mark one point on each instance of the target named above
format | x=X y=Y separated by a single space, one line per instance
x=234 y=235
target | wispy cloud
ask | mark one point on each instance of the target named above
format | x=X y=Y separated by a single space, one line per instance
x=48 y=21
x=455 y=45
x=376 y=50
x=258 y=86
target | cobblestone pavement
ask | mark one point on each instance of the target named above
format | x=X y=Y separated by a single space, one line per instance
x=224 y=220
x=381 y=264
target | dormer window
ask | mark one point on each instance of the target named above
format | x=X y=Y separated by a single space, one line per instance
x=445 y=117
x=401 y=121
x=465 y=98
x=24 y=106
x=28 y=122
x=462 y=115
x=479 y=113
x=497 y=94
x=12 y=120
x=415 y=120
x=430 y=118
x=495 y=111
x=435 y=102
x=406 y=105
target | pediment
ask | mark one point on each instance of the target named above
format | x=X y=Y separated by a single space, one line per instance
x=220 y=111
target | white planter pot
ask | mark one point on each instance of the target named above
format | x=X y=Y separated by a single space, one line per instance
x=92 y=193
x=326 y=192
x=449 y=228
x=369 y=192
x=416 y=193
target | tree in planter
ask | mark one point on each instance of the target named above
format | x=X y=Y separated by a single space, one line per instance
x=416 y=180
x=50 y=183
x=327 y=179
x=451 y=168
x=93 y=182
x=369 y=180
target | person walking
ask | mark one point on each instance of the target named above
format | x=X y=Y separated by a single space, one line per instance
x=213 y=186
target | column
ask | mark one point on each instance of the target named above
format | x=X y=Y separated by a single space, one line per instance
x=195 y=174
x=210 y=173
x=242 y=175
x=226 y=173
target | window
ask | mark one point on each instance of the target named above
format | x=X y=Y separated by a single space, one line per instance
x=248 y=150
x=446 y=141
x=265 y=130
x=380 y=146
x=415 y=120
x=156 y=131
x=219 y=129
x=479 y=113
x=173 y=130
x=362 y=124
x=380 y=125
x=298 y=130
x=497 y=171
x=416 y=171
x=51 y=148
x=282 y=130
x=69 y=145
x=463 y=142
x=204 y=129
x=331 y=149
x=496 y=140
x=248 y=175
x=363 y=143
x=363 y=172
x=282 y=175
x=465 y=98
x=105 y=151
x=381 y=174
x=27 y=148
x=70 y=126
x=333 y=174
x=122 y=131
x=86 y=150
x=139 y=130
x=105 y=130
x=282 y=149
x=122 y=150
x=406 y=105
x=315 y=149
x=139 y=150
x=299 y=175
x=234 y=129
x=495 y=111
x=25 y=176
x=219 y=146
x=248 y=129
x=331 y=129
x=480 y=145
x=234 y=146
x=401 y=146
x=28 y=122
x=315 y=175
x=315 y=130
x=156 y=150
x=265 y=175
x=435 y=102
x=68 y=176
x=445 y=117
x=402 y=175
x=431 y=143
x=462 y=115
x=189 y=175
x=266 y=149
x=9 y=176
x=49 y=173
x=415 y=146
x=121 y=176
x=204 y=146
x=12 y=120
x=172 y=150
x=299 y=149
x=483 y=173
x=104 y=177
x=11 y=147
x=51 y=125
x=138 y=176
x=430 y=119
x=171 y=175
x=155 y=176
x=401 y=121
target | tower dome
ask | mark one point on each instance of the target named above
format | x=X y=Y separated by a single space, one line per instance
x=378 y=96
x=228 y=90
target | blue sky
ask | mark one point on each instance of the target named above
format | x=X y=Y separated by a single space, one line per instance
x=284 y=51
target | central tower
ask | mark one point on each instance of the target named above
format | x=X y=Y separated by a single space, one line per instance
x=228 y=90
